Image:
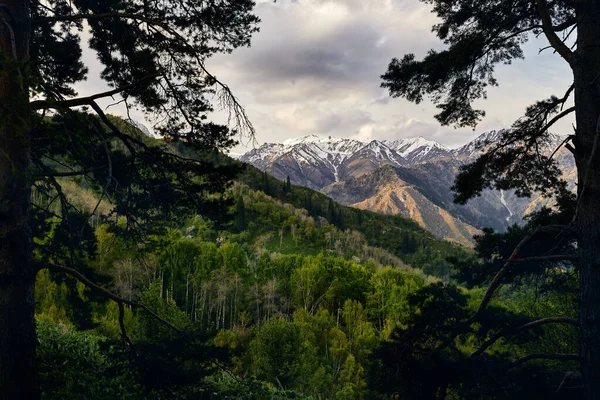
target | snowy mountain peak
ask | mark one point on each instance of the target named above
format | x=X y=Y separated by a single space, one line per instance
x=418 y=149
x=304 y=139
x=476 y=145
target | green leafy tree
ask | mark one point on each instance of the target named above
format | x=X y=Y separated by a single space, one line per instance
x=478 y=37
x=153 y=55
x=277 y=351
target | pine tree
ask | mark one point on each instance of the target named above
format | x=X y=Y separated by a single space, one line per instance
x=479 y=36
x=265 y=185
x=153 y=56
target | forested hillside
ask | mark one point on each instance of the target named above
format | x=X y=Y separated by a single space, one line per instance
x=288 y=295
x=142 y=264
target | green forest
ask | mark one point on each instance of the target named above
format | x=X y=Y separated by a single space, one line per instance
x=151 y=265
x=287 y=295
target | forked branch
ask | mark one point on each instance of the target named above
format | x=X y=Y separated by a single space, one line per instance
x=548 y=28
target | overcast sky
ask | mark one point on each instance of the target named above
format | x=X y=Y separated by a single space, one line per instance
x=315 y=67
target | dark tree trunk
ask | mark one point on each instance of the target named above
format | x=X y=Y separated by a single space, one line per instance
x=18 y=373
x=587 y=100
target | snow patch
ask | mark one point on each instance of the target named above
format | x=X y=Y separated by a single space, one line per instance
x=503 y=201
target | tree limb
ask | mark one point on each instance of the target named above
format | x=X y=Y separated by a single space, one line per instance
x=80 y=277
x=67 y=174
x=532 y=324
x=500 y=274
x=553 y=257
x=563 y=143
x=547 y=356
x=225 y=96
x=82 y=101
x=81 y=17
x=557 y=118
x=560 y=47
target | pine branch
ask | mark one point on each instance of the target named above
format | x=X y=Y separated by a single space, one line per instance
x=81 y=17
x=225 y=96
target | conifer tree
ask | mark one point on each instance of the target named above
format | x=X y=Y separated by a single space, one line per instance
x=153 y=57
x=478 y=36
x=265 y=186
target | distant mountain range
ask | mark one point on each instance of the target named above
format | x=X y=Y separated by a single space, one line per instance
x=411 y=177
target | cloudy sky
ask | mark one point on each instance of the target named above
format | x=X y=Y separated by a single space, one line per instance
x=315 y=67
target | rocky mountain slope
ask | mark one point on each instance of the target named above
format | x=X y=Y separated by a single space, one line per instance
x=411 y=177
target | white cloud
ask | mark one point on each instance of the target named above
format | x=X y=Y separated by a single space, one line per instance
x=315 y=67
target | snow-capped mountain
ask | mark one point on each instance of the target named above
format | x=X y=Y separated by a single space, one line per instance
x=316 y=161
x=339 y=158
x=409 y=176
x=143 y=128
x=418 y=149
x=477 y=145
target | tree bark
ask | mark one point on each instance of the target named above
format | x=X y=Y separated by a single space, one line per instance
x=587 y=100
x=18 y=372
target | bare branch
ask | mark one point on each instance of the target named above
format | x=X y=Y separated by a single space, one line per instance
x=560 y=47
x=532 y=324
x=45 y=104
x=80 y=277
x=108 y=182
x=568 y=375
x=563 y=143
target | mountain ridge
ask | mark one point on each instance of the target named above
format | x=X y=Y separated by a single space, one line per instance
x=410 y=177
